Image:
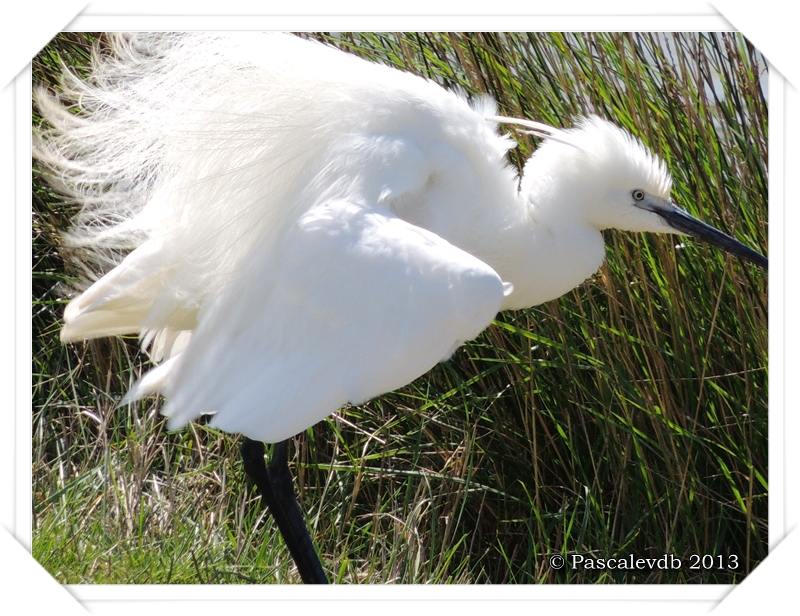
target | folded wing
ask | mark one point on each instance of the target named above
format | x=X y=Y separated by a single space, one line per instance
x=354 y=303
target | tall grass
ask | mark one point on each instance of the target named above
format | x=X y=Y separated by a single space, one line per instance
x=627 y=418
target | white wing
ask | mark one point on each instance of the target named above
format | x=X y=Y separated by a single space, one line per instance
x=358 y=303
x=270 y=280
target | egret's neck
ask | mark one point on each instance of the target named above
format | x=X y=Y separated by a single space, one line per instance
x=545 y=258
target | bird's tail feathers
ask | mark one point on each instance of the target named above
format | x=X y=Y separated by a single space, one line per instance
x=134 y=298
x=152 y=382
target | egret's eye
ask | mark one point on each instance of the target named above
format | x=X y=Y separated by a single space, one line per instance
x=637 y=194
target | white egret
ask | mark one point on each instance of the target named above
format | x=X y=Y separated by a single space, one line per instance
x=304 y=229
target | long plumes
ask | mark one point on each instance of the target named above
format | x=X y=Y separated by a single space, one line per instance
x=118 y=145
x=164 y=127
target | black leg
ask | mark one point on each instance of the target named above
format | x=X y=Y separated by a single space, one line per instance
x=277 y=491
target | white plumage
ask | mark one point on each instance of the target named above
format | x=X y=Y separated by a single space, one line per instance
x=309 y=229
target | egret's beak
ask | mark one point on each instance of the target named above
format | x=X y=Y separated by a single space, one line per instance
x=684 y=222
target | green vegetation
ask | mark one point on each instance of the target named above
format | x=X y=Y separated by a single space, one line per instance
x=628 y=417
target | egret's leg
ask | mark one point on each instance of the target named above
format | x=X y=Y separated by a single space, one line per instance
x=277 y=491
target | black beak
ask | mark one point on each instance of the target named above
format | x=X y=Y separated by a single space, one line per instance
x=684 y=222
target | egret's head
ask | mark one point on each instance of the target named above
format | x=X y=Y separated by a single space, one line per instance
x=600 y=175
x=592 y=173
